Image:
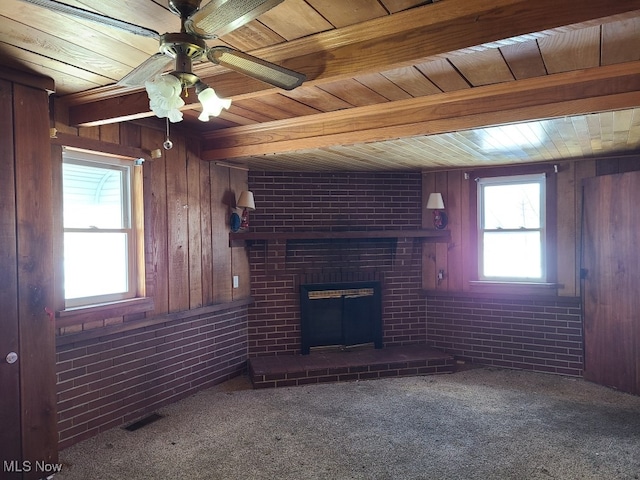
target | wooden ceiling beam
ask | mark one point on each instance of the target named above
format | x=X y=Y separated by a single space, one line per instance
x=405 y=38
x=571 y=93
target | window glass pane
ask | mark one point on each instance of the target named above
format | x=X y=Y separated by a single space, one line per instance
x=93 y=196
x=512 y=254
x=511 y=206
x=95 y=263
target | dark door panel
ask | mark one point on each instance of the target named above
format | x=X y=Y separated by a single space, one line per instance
x=611 y=288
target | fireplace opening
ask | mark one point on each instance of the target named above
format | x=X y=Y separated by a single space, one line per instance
x=340 y=314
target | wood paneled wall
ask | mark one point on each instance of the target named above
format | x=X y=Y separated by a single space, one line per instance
x=115 y=366
x=457 y=258
x=9 y=340
x=187 y=203
x=27 y=386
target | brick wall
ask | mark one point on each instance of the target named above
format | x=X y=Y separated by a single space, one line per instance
x=542 y=335
x=292 y=201
x=114 y=379
x=333 y=202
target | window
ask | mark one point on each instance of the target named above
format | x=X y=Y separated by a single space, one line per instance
x=100 y=234
x=512 y=240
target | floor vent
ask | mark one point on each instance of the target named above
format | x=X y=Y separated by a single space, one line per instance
x=143 y=422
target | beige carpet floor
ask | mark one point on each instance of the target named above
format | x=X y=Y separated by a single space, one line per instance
x=479 y=423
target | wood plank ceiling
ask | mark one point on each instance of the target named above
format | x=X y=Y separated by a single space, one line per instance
x=391 y=84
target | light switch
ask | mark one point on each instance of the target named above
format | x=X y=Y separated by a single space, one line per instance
x=236 y=281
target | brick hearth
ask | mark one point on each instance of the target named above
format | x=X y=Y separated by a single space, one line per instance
x=331 y=366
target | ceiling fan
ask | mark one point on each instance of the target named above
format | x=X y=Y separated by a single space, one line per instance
x=216 y=18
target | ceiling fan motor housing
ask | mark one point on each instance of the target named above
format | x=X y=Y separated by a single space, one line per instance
x=185 y=49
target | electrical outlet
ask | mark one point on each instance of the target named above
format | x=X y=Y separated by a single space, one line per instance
x=236 y=281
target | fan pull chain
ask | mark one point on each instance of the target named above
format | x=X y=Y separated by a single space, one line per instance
x=168 y=144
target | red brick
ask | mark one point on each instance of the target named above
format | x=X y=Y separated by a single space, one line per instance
x=96 y=401
x=538 y=340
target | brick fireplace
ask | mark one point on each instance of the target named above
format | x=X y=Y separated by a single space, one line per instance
x=293 y=202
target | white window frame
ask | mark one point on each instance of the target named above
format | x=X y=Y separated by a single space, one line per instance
x=129 y=214
x=483 y=182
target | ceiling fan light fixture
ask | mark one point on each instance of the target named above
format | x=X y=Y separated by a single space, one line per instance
x=212 y=105
x=164 y=97
x=215 y=18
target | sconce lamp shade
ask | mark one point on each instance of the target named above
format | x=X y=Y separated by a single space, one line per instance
x=435 y=202
x=246 y=200
x=247 y=203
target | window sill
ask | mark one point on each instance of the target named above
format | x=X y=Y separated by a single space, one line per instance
x=523 y=284
x=76 y=315
x=520 y=288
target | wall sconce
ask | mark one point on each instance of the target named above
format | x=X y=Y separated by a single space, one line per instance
x=436 y=203
x=246 y=202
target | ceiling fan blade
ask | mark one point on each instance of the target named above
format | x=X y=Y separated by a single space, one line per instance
x=148 y=69
x=219 y=17
x=95 y=17
x=255 y=67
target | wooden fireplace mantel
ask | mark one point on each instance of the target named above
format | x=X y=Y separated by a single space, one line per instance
x=428 y=234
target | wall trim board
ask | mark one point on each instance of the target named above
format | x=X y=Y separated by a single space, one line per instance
x=147 y=322
x=506 y=296
x=84 y=143
x=27 y=79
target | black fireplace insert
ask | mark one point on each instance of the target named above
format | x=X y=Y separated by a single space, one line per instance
x=340 y=314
